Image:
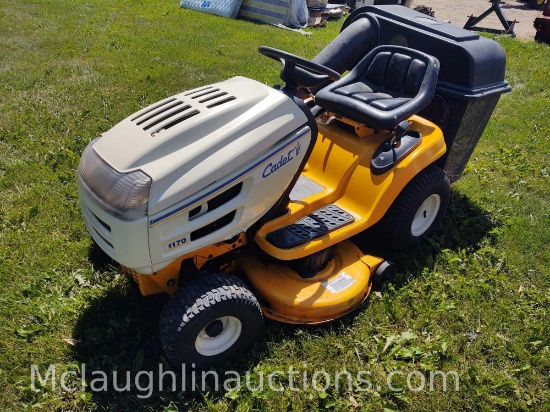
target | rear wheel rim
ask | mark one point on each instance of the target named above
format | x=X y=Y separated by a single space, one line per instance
x=218 y=336
x=425 y=215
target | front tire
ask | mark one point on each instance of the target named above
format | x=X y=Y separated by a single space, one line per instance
x=417 y=211
x=209 y=320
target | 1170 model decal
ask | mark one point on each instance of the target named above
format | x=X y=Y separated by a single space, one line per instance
x=174 y=244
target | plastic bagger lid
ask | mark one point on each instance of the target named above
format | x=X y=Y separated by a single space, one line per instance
x=463 y=93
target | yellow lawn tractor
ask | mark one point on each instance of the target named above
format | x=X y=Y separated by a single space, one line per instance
x=239 y=199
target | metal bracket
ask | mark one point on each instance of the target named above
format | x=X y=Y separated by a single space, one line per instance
x=507 y=24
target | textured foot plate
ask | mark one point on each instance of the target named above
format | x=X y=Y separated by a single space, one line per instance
x=313 y=226
x=305 y=187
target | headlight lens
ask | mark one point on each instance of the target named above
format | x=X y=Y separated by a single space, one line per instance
x=123 y=195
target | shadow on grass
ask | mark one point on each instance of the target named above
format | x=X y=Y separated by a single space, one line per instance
x=465 y=226
x=119 y=330
x=100 y=260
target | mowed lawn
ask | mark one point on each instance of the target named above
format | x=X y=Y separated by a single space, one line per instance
x=474 y=300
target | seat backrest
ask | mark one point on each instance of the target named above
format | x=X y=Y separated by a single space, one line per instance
x=396 y=73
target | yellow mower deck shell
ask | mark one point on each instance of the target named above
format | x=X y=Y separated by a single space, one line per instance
x=333 y=292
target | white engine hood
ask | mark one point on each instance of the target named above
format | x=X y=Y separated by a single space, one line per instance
x=195 y=138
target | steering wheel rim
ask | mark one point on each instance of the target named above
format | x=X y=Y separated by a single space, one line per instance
x=290 y=61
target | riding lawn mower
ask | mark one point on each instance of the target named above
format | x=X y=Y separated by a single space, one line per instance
x=239 y=199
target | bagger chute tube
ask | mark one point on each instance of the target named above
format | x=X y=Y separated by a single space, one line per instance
x=239 y=199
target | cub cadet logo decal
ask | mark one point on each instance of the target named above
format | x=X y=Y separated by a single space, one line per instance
x=283 y=160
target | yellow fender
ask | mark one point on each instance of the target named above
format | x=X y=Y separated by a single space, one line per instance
x=340 y=162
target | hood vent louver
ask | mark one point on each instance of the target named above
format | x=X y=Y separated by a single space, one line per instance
x=200 y=89
x=152 y=108
x=212 y=97
x=215 y=97
x=164 y=116
x=171 y=112
x=222 y=101
x=176 y=121
x=203 y=92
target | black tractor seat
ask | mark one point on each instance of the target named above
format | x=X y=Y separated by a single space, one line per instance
x=388 y=86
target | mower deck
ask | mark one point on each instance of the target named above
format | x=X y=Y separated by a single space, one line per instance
x=334 y=291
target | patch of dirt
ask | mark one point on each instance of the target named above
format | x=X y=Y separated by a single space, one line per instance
x=457 y=12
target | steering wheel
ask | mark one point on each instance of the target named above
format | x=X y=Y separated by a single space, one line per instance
x=291 y=62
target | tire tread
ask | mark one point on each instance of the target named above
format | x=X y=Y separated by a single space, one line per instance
x=196 y=297
x=390 y=228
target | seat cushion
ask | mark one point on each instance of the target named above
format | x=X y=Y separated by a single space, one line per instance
x=371 y=97
x=351 y=89
x=390 y=104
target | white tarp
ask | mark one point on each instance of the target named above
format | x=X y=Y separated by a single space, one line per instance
x=225 y=8
x=292 y=13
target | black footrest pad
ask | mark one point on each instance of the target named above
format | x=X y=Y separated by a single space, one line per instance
x=313 y=226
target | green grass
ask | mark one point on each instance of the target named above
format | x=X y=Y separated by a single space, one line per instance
x=475 y=299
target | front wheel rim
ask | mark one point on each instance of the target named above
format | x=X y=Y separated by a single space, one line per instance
x=218 y=336
x=425 y=215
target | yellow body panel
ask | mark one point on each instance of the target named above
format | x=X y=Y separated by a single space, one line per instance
x=340 y=162
x=334 y=291
x=167 y=279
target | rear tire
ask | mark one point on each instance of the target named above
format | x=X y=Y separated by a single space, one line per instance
x=209 y=320
x=417 y=211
